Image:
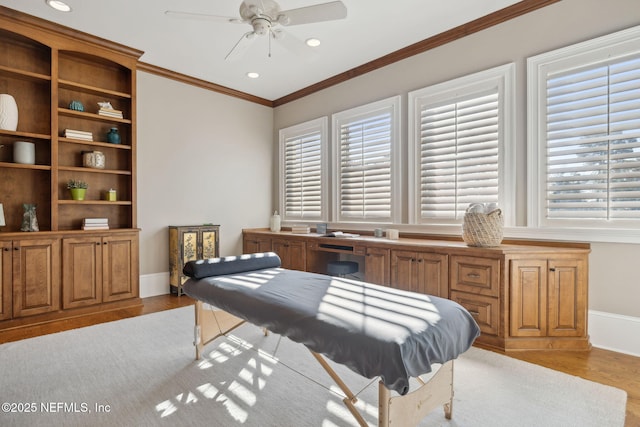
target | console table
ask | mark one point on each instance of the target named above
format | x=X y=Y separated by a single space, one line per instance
x=523 y=294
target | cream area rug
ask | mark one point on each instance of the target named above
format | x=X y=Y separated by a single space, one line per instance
x=142 y=372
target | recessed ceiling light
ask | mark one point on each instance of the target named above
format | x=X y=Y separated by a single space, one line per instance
x=253 y=75
x=313 y=42
x=58 y=5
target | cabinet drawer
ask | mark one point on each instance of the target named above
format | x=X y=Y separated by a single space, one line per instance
x=480 y=276
x=485 y=310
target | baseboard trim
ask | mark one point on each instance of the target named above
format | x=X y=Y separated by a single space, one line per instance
x=615 y=332
x=154 y=284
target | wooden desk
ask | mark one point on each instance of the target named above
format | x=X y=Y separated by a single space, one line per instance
x=524 y=295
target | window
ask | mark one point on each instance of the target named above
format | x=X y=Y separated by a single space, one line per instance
x=584 y=135
x=366 y=152
x=459 y=139
x=302 y=171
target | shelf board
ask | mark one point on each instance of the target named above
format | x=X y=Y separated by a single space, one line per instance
x=93 y=202
x=91 y=116
x=22 y=166
x=94 y=143
x=84 y=169
x=27 y=75
x=67 y=84
x=24 y=134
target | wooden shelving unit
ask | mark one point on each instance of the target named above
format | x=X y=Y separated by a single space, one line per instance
x=45 y=67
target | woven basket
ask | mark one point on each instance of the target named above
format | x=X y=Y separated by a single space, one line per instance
x=481 y=229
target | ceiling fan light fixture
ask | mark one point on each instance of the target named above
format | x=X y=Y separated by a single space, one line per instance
x=312 y=42
x=253 y=75
x=58 y=5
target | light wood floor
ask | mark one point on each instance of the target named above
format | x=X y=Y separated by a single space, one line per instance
x=602 y=366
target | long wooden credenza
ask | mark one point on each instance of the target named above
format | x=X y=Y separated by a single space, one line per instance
x=524 y=295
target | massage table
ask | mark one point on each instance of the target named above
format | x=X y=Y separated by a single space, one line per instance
x=376 y=331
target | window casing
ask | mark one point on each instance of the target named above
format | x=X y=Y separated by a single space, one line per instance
x=460 y=138
x=366 y=153
x=584 y=135
x=303 y=171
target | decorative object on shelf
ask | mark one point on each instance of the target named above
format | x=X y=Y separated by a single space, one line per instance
x=110 y=195
x=483 y=225
x=78 y=134
x=107 y=110
x=113 y=136
x=321 y=228
x=76 y=106
x=393 y=234
x=29 y=219
x=378 y=232
x=24 y=152
x=8 y=112
x=274 y=223
x=2 y=221
x=78 y=188
x=93 y=159
x=106 y=105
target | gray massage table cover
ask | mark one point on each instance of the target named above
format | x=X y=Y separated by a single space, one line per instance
x=374 y=330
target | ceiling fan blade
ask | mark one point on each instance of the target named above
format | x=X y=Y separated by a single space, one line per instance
x=201 y=16
x=316 y=13
x=292 y=43
x=241 y=46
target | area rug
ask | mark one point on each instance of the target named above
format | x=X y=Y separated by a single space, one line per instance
x=141 y=372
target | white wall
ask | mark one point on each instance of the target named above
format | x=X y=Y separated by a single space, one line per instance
x=614 y=283
x=203 y=157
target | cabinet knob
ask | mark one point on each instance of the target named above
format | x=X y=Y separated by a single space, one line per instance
x=552 y=269
x=97 y=243
x=17 y=248
x=6 y=249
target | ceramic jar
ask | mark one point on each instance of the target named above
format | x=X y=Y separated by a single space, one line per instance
x=113 y=136
x=24 y=152
x=93 y=159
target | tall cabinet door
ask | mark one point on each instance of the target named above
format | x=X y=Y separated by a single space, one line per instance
x=81 y=271
x=5 y=280
x=376 y=266
x=567 y=297
x=36 y=276
x=120 y=270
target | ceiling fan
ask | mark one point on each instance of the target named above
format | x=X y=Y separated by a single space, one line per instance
x=265 y=17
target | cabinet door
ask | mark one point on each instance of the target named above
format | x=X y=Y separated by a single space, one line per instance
x=81 y=271
x=36 y=276
x=403 y=270
x=433 y=274
x=528 y=300
x=293 y=254
x=5 y=280
x=567 y=297
x=120 y=271
x=208 y=242
x=255 y=244
x=376 y=266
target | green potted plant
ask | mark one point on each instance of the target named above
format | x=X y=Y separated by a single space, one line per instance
x=78 y=188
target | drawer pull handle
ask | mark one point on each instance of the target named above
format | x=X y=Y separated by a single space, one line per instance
x=473 y=275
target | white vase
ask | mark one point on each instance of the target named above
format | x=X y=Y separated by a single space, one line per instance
x=8 y=112
x=24 y=152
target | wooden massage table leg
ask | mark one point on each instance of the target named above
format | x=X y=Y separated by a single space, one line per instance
x=211 y=324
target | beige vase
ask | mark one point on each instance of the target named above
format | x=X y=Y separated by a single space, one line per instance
x=8 y=112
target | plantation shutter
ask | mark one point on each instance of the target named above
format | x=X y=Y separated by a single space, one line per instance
x=593 y=142
x=365 y=167
x=459 y=142
x=303 y=176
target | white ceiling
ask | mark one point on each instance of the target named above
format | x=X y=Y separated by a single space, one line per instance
x=373 y=28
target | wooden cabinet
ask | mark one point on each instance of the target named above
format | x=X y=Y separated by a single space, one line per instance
x=35 y=276
x=423 y=272
x=99 y=269
x=190 y=243
x=45 y=68
x=522 y=295
x=293 y=254
x=255 y=244
x=376 y=266
x=548 y=297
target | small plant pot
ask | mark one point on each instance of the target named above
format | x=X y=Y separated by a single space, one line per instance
x=78 y=193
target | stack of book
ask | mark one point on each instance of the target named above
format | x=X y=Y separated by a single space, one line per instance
x=78 y=134
x=110 y=112
x=95 y=224
x=300 y=229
